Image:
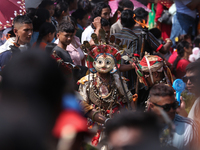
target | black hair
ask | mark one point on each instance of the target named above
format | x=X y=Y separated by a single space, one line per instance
x=197 y=41
x=38 y=16
x=66 y=26
x=183 y=37
x=85 y=5
x=127 y=19
x=60 y=7
x=161 y=90
x=33 y=73
x=141 y=14
x=125 y=4
x=147 y=122
x=180 y=50
x=22 y=20
x=45 y=3
x=98 y=10
x=73 y=21
x=79 y=14
x=45 y=29
x=193 y=67
x=104 y=22
x=156 y=32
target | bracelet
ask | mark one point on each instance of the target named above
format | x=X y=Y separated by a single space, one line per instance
x=94 y=115
x=106 y=120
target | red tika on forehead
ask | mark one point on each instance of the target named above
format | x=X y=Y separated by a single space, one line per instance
x=104 y=55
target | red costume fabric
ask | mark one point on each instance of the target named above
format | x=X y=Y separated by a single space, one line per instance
x=165 y=28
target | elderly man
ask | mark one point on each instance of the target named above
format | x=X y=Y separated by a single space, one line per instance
x=162 y=97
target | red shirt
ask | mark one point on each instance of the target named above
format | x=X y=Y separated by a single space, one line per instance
x=172 y=58
x=180 y=68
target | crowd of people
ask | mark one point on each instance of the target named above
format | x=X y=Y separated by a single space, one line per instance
x=73 y=76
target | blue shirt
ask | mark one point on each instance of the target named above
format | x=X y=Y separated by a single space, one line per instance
x=182 y=8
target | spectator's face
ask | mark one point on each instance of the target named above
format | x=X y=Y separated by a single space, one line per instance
x=167 y=103
x=65 y=38
x=24 y=33
x=125 y=136
x=84 y=21
x=51 y=9
x=51 y=37
x=190 y=79
x=105 y=13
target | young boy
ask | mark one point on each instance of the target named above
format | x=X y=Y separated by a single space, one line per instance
x=65 y=34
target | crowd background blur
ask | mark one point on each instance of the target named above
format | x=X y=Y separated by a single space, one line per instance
x=44 y=51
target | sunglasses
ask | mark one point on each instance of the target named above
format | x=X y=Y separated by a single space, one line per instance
x=191 y=78
x=167 y=107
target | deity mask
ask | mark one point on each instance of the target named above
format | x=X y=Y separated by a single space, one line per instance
x=104 y=64
x=102 y=59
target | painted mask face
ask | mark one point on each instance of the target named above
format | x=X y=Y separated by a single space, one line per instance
x=104 y=64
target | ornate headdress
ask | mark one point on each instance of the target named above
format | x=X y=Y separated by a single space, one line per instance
x=154 y=63
x=101 y=48
x=105 y=50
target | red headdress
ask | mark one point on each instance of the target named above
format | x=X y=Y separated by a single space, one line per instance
x=103 y=50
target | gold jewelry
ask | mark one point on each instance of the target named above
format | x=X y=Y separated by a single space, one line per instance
x=94 y=115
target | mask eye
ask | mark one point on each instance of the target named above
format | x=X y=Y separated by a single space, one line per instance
x=108 y=62
x=100 y=62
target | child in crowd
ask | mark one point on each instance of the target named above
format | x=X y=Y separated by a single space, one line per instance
x=49 y=5
x=46 y=35
x=196 y=50
x=81 y=17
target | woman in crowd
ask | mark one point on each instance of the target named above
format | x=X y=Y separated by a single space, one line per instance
x=46 y=35
x=38 y=17
x=61 y=10
x=184 y=49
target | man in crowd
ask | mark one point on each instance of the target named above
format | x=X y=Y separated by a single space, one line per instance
x=185 y=135
x=192 y=83
x=123 y=5
x=146 y=40
x=102 y=10
x=23 y=30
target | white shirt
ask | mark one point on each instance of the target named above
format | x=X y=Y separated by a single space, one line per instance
x=195 y=110
x=185 y=135
x=86 y=35
x=8 y=43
